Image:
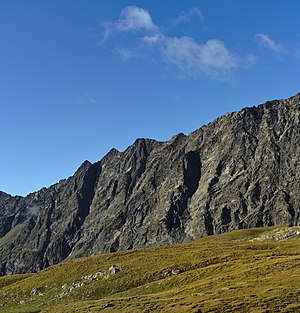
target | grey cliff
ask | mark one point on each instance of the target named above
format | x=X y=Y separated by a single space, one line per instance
x=240 y=171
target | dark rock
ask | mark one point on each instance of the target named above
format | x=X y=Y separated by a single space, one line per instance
x=240 y=171
x=34 y=291
x=176 y=271
x=107 y=305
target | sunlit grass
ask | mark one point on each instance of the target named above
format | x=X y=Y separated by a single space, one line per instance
x=255 y=270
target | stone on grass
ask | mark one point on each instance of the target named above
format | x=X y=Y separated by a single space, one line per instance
x=114 y=269
x=107 y=305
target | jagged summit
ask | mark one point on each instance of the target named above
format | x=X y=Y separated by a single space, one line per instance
x=241 y=170
x=296 y=96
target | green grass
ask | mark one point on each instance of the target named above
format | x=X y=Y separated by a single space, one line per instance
x=254 y=270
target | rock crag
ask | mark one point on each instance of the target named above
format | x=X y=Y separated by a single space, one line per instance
x=240 y=171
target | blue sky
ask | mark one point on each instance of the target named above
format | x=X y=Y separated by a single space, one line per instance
x=80 y=77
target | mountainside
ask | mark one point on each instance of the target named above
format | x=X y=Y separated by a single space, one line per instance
x=240 y=171
x=254 y=270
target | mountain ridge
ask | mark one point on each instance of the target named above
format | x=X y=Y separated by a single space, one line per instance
x=241 y=170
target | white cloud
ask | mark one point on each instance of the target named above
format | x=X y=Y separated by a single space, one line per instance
x=186 y=16
x=211 y=58
x=266 y=42
x=153 y=39
x=133 y=18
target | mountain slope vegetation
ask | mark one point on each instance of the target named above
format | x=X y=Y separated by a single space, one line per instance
x=254 y=270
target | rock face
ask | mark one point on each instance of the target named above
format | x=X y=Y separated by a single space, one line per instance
x=240 y=171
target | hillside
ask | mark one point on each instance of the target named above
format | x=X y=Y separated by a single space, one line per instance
x=240 y=171
x=255 y=270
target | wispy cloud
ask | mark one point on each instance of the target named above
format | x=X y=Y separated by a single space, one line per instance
x=186 y=16
x=297 y=51
x=251 y=59
x=88 y=98
x=133 y=18
x=32 y=209
x=211 y=58
x=266 y=42
x=127 y=53
x=153 y=39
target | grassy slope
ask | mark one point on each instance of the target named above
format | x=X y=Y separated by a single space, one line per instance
x=241 y=271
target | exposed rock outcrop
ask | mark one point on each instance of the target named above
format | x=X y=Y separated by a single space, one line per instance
x=242 y=170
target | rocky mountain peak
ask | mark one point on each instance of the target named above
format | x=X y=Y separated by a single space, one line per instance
x=241 y=170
